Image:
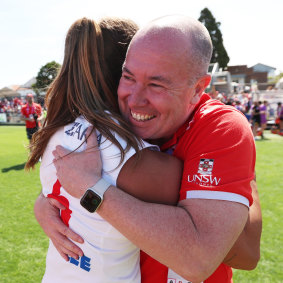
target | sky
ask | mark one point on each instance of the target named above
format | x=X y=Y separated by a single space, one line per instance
x=32 y=32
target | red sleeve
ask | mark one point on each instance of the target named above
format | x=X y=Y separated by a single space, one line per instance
x=219 y=157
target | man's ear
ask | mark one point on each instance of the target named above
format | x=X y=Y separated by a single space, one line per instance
x=200 y=87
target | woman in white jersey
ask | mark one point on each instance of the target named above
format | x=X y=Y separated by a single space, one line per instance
x=84 y=94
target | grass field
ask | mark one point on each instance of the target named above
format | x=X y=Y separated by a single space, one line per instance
x=23 y=245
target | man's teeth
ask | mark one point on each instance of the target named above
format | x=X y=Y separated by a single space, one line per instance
x=141 y=117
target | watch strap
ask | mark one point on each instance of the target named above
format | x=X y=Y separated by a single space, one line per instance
x=100 y=187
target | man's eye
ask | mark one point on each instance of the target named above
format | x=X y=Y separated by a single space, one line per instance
x=156 y=85
x=128 y=78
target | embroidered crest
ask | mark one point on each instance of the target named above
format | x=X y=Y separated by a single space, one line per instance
x=205 y=166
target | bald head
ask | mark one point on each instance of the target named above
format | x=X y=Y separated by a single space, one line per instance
x=181 y=35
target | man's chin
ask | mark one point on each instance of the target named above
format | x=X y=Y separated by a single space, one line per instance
x=140 y=134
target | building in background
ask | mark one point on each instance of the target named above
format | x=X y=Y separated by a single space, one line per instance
x=257 y=75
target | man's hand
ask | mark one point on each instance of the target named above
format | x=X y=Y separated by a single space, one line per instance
x=46 y=212
x=77 y=171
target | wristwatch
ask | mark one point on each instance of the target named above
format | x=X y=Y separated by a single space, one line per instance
x=93 y=197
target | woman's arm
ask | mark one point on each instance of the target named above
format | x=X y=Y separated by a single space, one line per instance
x=155 y=177
x=245 y=253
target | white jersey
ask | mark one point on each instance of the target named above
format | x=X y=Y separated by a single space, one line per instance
x=108 y=255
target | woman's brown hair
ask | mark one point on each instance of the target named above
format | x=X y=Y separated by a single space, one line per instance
x=87 y=83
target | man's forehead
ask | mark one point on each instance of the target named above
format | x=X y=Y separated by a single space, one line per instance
x=159 y=50
x=157 y=77
x=155 y=43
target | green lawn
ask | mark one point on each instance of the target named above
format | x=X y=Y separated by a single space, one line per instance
x=23 y=245
x=269 y=169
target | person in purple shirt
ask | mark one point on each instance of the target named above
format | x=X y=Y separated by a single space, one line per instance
x=263 y=116
x=279 y=118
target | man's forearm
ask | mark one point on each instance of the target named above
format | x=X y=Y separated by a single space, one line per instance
x=150 y=238
x=167 y=233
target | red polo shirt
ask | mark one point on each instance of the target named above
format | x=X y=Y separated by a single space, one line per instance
x=217 y=147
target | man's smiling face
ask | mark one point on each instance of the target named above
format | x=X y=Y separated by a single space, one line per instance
x=154 y=94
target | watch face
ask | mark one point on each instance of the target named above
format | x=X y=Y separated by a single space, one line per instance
x=91 y=201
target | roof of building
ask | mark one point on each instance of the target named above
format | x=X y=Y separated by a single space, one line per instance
x=263 y=65
x=29 y=83
x=8 y=92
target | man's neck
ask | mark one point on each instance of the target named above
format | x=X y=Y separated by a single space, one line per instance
x=158 y=142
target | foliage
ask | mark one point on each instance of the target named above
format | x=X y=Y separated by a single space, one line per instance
x=274 y=80
x=219 y=53
x=278 y=77
x=23 y=245
x=45 y=76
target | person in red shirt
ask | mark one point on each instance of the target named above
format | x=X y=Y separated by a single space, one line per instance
x=31 y=114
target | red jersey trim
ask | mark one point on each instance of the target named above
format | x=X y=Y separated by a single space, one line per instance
x=65 y=213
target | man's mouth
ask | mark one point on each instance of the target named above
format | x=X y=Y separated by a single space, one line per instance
x=141 y=117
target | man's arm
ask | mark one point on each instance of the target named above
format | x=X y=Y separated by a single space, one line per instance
x=245 y=253
x=24 y=118
x=192 y=239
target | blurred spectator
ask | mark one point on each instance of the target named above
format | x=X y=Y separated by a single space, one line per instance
x=248 y=107
x=2 y=106
x=263 y=115
x=213 y=93
x=31 y=113
x=239 y=106
x=43 y=117
x=255 y=118
x=230 y=101
x=222 y=97
x=17 y=104
x=279 y=118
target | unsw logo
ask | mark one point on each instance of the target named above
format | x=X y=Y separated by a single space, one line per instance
x=204 y=176
x=204 y=180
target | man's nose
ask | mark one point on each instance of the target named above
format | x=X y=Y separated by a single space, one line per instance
x=137 y=96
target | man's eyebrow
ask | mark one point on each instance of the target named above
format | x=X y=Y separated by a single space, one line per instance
x=160 y=79
x=125 y=69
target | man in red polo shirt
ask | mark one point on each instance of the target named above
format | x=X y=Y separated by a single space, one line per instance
x=31 y=113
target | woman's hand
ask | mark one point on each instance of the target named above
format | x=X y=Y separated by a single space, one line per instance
x=47 y=213
x=77 y=171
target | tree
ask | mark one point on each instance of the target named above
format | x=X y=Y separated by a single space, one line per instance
x=45 y=76
x=219 y=53
x=278 y=77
